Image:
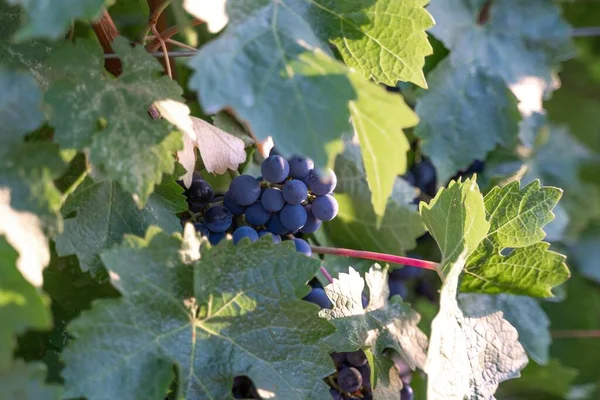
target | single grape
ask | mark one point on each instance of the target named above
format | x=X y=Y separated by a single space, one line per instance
x=275 y=169
x=196 y=207
x=425 y=176
x=365 y=300
x=276 y=238
x=312 y=224
x=321 y=183
x=218 y=218
x=302 y=247
x=349 y=379
x=335 y=394
x=256 y=214
x=245 y=190
x=410 y=178
x=426 y=289
x=293 y=217
x=356 y=358
x=231 y=204
x=365 y=372
x=216 y=237
x=295 y=191
x=325 y=207
x=202 y=229
x=317 y=296
x=243 y=232
x=397 y=287
x=407 y=393
x=200 y=192
x=272 y=200
x=406 y=273
x=300 y=167
x=275 y=226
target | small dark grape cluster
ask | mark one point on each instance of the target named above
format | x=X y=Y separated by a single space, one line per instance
x=290 y=198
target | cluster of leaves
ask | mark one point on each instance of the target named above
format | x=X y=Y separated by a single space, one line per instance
x=99 y=285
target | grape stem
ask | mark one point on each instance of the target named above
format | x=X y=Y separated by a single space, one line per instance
x=326 y=274
x=370 y=255
x=575 y=333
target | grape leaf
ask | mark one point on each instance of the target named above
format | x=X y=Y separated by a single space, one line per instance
x=104 y=213
x=524 y=313
x=51 y=19
x=29 y=55
x=516 y=218
x=354 y=226
x=464 y=115
x=586 y=253
x=29 y=201
x=378 y=117
x=468 y=355
x=26 y=382
x=110 y=116
x=531 y=30
x=22 y=306
x=359 y=30
x=20 y=96
x=552 y=381
x=383 y=324
x=240 y=301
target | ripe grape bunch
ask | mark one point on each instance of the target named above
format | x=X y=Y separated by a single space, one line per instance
x=291 y=198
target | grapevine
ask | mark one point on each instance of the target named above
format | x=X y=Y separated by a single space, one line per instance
x=294 y=199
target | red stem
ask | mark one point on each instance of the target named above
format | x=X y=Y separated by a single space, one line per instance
x=370 y=255
x=326 y=274
x=575 y=334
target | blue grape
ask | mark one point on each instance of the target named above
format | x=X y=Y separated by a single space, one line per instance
x=325 y=207
x=276 y=238
x=216 y=237
x=321 y=183
x=200 y=192
x=202 y=229
x=365 y=300
x=256 y=214
x=349 y=379
x=398 y=287
x=272 y=200
x=302 y=246
x=275 y=226
x=293 y=217
x=406 y=393
x=295 y=191
x=338 y=358
x=275 y=169
x=218 y=218
x=356 y=358
x=300 y=167
x=231 y=204
x=406 y=273
x=245 y=190
x=196 y=207
x=317 y=296
x=244 y=231
x=312 y=224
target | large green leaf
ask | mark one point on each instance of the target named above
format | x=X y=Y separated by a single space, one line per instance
x=383 y=324
x=234 y=312
x=29 y=55
x=468 y=354
x=516 y=218
x=464 y=116
x=104 y=213
x=378 y=118
x=524 y=313
x=51 y=19
x=355 y=226
x=110 y=116
x=22 y=306
x=531 y=31
x=360 y=31
x=26 y=382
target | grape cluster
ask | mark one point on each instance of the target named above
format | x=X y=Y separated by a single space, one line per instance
x=290 y=198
